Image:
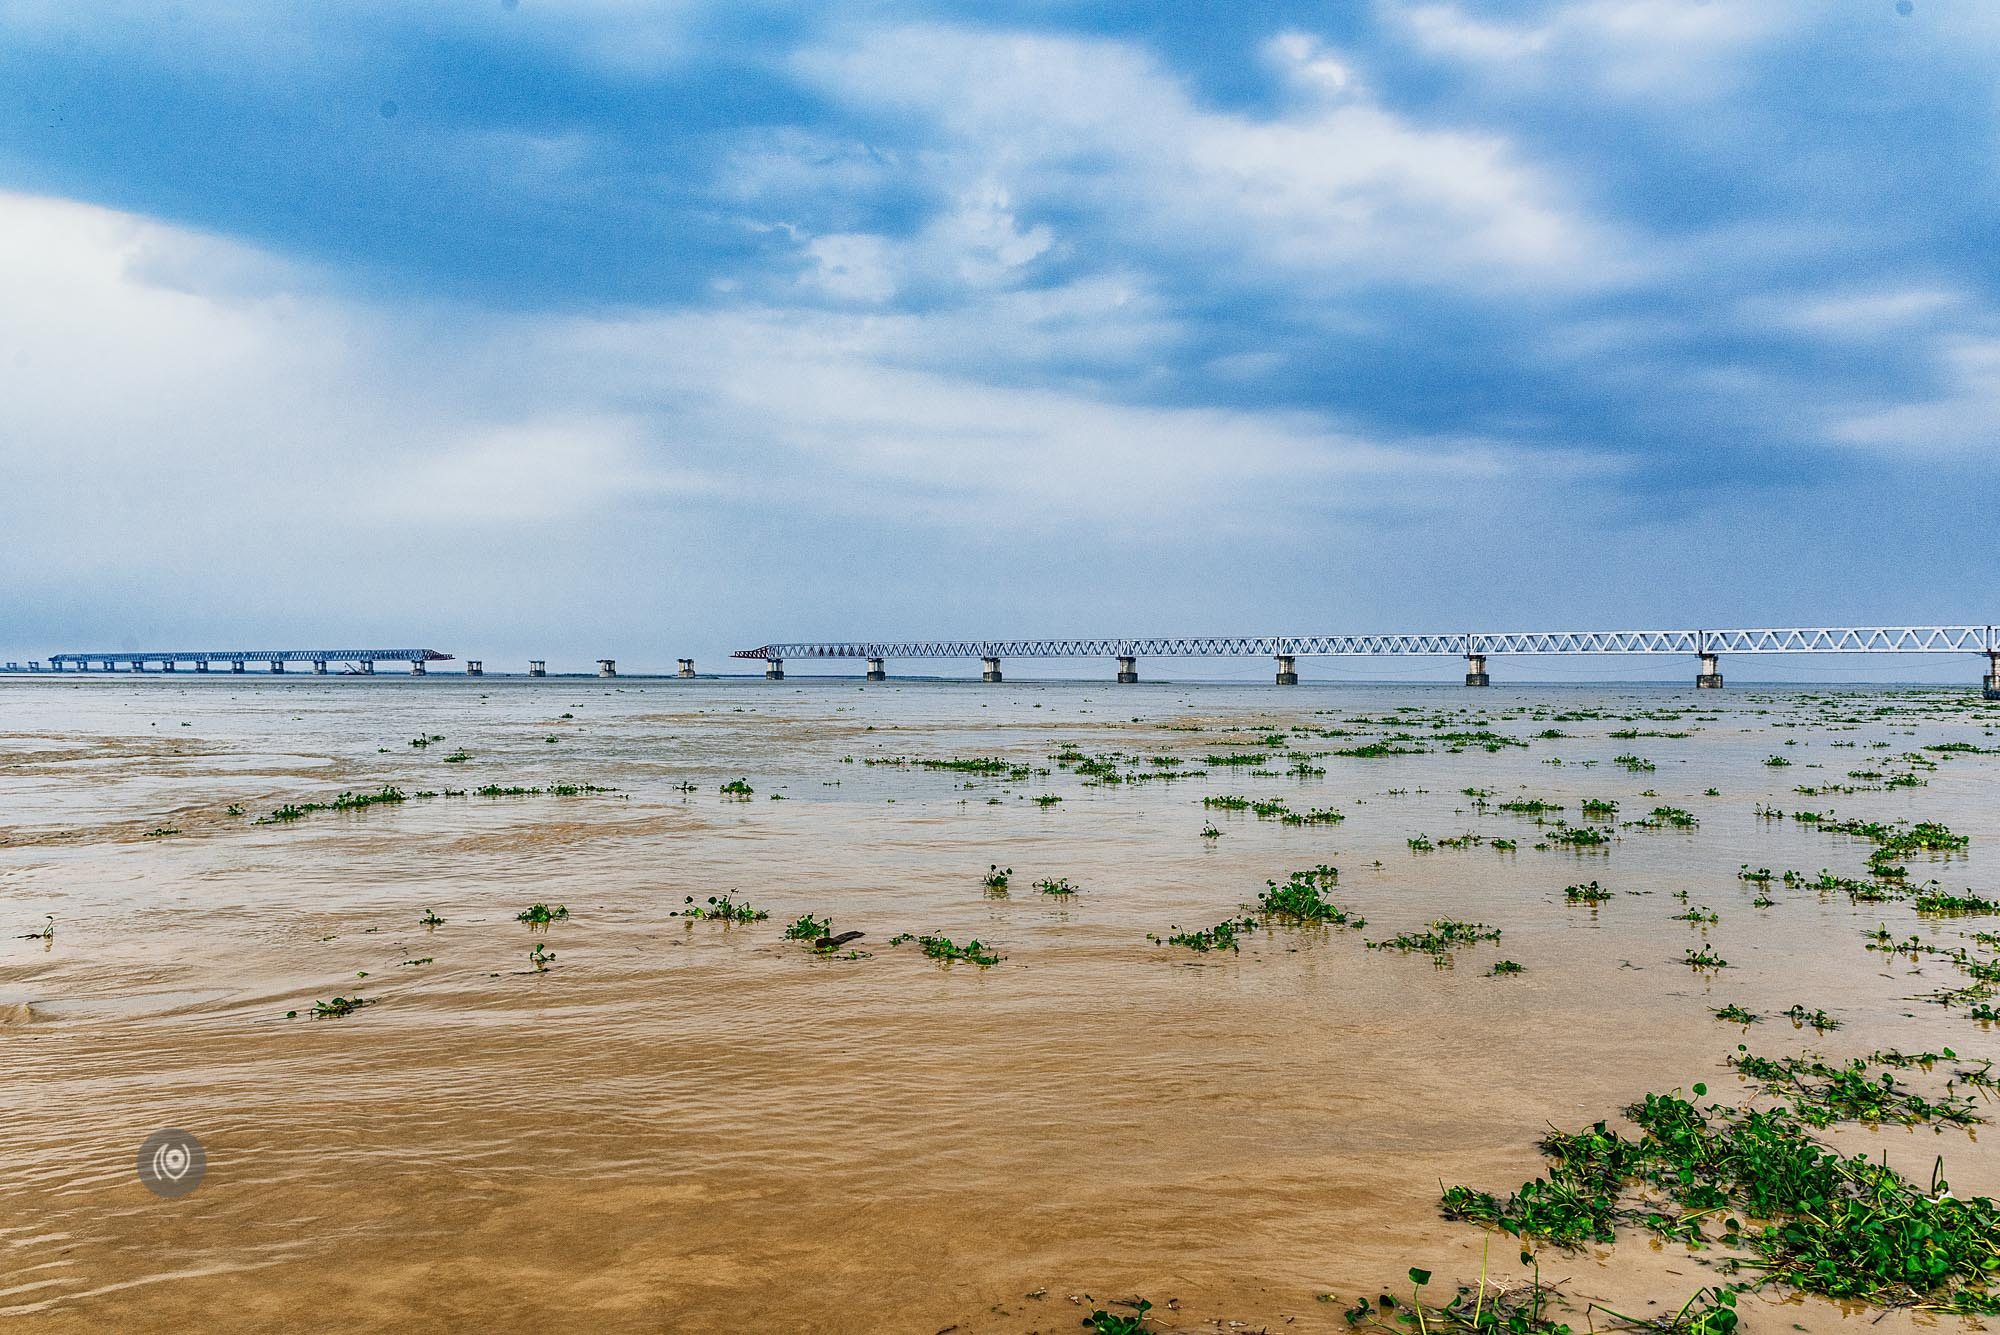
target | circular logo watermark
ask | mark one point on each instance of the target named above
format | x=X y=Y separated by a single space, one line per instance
x=171 y=1163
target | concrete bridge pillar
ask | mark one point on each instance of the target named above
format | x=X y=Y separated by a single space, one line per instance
x=319 y=667
x=237 y=665
x=989 y=669
x=538 y=667
x=1710 y=676
x=1128 y=669
x=1288 y=670
x=687 y=667
x=607 y=667
x=878 y=669
x=277 y=665
x=1475 y=670
x=201 y=665
x=774 y=669
x=475 y=667
x=367 y=667
x=166 y=665
x=1993 y=674
x=417 y=668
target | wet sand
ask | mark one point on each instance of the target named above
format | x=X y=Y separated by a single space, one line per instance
x=693 y=1126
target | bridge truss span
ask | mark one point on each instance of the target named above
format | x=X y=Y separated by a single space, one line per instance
x=1474 y=646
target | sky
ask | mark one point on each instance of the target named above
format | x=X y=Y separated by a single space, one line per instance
x=657 y=328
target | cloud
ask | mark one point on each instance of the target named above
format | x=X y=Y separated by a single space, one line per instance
x=1959 y=420
x=1333 y=187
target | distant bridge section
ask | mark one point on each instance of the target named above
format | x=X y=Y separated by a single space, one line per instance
x=359 y=662
x=1475 y=647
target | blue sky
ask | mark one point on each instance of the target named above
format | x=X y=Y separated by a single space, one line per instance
x=652 y=329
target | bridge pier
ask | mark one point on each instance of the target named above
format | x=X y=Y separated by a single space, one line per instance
x=538 y=667
x=1128 y=669
x=201 y=665
x=319 y=667
x=166 y=665
x=607 y=667
x=1475 y=670
x=417 y=668
x=687 y=667
x=237 y=665
x=878 y=670
x=1710 y=676
x=774 y=669
x=989 y=669
x=1992 y=687
x=475 y=667
x=1288 y=670
x=367 y=666
x=277 y=665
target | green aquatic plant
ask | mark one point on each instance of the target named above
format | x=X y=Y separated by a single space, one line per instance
x=1222 y=936
x=541 y=957
x=997 y=877
x=720 y=908
x=1818 y=1019
x=1059 y=886
x=1703 y=959
x=737 y=788
x=1227 y=803
x=1598 y=808
x=1505 y=967
x=1302 y=899
x=339 y=1006
x=809 y=928
x=541 y=914
x=430 y=919
x=1589 y=893
x=1441 y=937
x=1102 y=1322
x=1736 y=1014
x=945 y=949
x=1047 y=800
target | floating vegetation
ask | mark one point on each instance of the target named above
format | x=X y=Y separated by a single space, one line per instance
x=720 y=908
x=1244 y=758
x=458 y=757
x=339 y=1006
x=1209 y=831
x=1302 y=899
x=430 y=919
x=944 y=948
x=421 y=742
x=539 y=915
x=1222 y=936
x=1313 y=816
x=1588 y=893
x=1845 y=1228
x=1632 y=764
x=1703 y=959
x=1440 y=938
x=1818 y=1019
x=1059 y=886
x=737 y=788
x=809 y=928
x=1736 y=1014
x=1420 y=844
x=1504 y=967
x=1580 y=836
x=344 y=802
x=1662 y=818
x=1936 y=904
x=541 y=957
x=1102 y=1322
x=1598 y=808
x=1227 y=803
x=1822 y=1093
x=997 y=877
x=1530 y=806
x=1047 y=800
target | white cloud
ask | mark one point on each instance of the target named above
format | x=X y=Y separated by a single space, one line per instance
x=1960 y=420
x=1675 y=50
x=1336 y=188
x=1858 y=314
x=141 y=411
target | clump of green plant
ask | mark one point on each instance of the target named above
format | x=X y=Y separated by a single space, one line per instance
x=1047 y=800
x=540 y=915
x=1102 y=1322
x=1421 y=844
x=1598 y=808
x=458 y=757
x=1210 y=832
x=1632 y=764
x=737 y=788
x=339 y=1006
x=1580 y=836
x=1668 y=818
x=945 y=949
x=1736 y=1014
x=720 y=908
x=1776 y=762
x=1222 y=936
x=1818 y=1019
x=1227 y=803
x=1302 y=899
x=1589 y=893
x=430 y=919
x=1504 y=967
x=541 y=957
x=1440 y=938
x=1706 y=917
x=809 y=928
x=1822 y=1093
x=997 y=878
x=1060 y=886
x=1313 y=816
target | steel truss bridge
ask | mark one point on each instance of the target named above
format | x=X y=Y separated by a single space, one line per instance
x=1475 y=647
x=360 y=661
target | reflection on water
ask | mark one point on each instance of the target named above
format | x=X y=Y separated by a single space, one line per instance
x=689 y=1125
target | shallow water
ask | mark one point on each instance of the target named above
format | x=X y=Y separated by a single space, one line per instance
x=697 y=1127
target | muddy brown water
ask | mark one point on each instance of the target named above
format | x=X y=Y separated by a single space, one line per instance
x=689 y=1126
